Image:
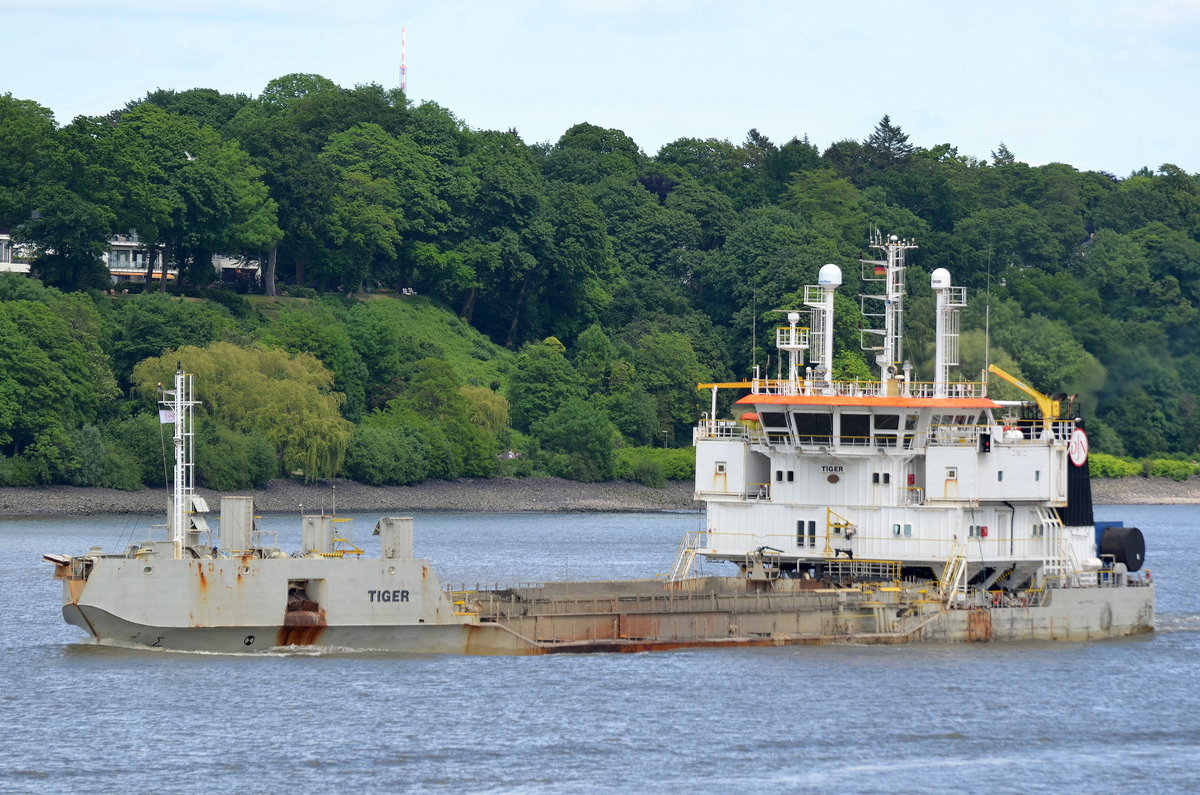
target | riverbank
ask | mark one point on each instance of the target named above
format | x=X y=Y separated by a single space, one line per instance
x=496 y=494
x=285 y=496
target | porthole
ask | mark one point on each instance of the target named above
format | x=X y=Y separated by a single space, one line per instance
x=148 y=569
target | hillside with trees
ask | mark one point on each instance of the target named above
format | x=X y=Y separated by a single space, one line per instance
x=438 y=301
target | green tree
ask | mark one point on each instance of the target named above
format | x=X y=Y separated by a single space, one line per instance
x=542 y=380
x=285 y=400
x=582 y=434
x=26 y=136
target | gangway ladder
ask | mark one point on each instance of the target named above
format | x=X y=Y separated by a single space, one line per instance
x=954 y=573
x=685 y=557
x=1061 y=566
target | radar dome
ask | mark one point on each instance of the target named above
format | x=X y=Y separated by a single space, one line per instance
x=940 y=278
x=829 y=275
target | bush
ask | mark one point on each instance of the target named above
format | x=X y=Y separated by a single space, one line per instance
x=227 y=460
x=390 y=454
x=649 y=472
x=143 y=446
x=1102 y=465
x=584 y=435
x=296 y=291
x=1175 y=470
x=17 y=471
x=102 y=462
x=677 y=463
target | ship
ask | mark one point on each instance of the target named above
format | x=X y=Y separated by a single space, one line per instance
x=869 y=512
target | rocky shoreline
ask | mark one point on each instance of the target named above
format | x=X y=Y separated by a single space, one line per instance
x=286 y=496
x=472 y=495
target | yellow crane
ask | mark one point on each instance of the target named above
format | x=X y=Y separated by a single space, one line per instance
x=1048 y=406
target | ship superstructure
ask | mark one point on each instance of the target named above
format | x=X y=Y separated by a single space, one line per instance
x=922 y=480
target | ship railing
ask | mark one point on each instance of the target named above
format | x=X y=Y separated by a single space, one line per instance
x=954 y=435
x=721 y=429
x=685 y=557
x=1059 y=431
x=858 y=569
x=916 y=389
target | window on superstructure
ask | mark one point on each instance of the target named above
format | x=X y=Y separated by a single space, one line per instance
x=907 y=529
x=813 y=428
x=856 y=429
x=886 y=426
x=778 y=475
x=791 y=475
x=720 y=467
x=775 y=424
x=812 y=533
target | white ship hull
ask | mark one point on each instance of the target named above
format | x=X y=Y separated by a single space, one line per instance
x=242 y=606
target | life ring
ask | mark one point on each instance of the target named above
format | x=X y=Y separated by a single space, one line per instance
x=1149 y=576
x=996 y=599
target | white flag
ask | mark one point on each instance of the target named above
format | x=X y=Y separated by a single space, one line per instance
x=166 y=416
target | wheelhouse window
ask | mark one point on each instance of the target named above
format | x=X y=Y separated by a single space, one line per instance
x=813 y=427
x=856 y=429
x=775 y=424
x=886 y=428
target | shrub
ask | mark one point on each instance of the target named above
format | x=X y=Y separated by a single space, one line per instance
x=380 y=455
x=1102 y=465
x=296 y=291
x=1176 y=470
x=677 y=463
x=227 y=460
x=583 y=433
x=649 y=472
x=17 y=471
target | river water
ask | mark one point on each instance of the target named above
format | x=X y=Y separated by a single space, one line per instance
x=1038 y=717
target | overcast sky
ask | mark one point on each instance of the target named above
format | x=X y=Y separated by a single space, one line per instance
x=1107 y=84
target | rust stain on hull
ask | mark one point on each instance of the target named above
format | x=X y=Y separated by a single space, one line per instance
x=979 y=626
x=301 y=628
x=634 y=646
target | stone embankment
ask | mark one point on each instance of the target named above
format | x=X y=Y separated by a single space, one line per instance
x=497 y=494
x=284 y=496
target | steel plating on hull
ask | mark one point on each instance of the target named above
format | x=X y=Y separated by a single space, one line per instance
x=888 y=511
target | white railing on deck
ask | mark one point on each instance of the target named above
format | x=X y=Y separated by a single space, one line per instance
x=917 y=389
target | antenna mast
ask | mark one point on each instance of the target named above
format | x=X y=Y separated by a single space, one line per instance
x=403 y=61
x=888 y=344
x=178 y=405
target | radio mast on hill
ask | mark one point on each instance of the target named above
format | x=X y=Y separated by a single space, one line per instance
x=403 y=62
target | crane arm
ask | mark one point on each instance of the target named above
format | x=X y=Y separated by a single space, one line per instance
x=1049 y=407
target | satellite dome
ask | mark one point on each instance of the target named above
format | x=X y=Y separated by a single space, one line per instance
x=829 y=275
x=940 y=278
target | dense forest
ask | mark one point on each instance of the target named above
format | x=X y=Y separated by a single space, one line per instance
x=438 y=301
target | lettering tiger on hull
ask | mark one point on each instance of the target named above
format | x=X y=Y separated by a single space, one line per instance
x=387 y=596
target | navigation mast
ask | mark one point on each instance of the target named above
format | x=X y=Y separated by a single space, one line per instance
x=889 y=350
x=178 y=404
